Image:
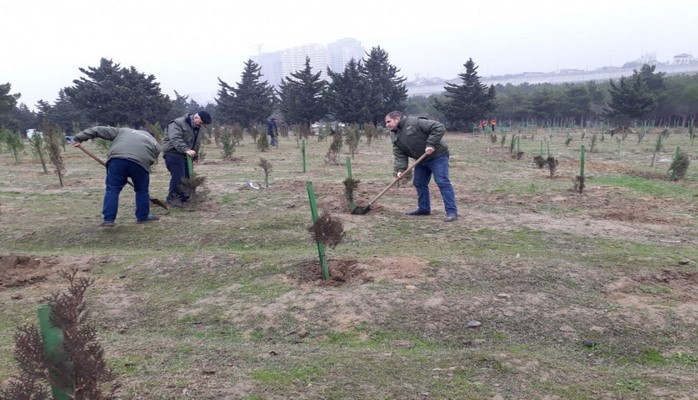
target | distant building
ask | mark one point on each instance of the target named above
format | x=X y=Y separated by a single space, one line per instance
x=280 y=64
x=684 y=58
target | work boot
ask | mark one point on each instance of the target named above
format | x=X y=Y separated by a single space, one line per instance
x=107 y=224
x=418 y=212
x=450 y=217
x=150 y=218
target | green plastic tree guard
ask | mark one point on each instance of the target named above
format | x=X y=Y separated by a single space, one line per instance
x=303 y=155
x=52 y=337
x=320 y=247
x=349 y=176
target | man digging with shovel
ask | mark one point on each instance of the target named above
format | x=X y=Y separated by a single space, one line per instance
x=412 y=137
x=131 y=155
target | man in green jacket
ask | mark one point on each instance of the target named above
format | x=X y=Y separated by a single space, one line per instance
x=181 y=141
x=411 y=138
x=131 y=155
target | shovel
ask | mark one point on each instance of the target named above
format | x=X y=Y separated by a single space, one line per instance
x=364 y=210
x=157 y=202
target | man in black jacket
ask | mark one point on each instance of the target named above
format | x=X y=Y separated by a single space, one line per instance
x=411 y=138
x=181 y=141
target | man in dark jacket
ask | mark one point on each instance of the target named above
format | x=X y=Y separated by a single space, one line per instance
x=411 y=138
x=272 y=130
x=131 y=155
x=182 y=140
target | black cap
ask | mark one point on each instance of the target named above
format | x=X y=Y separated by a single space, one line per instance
x=205 y=117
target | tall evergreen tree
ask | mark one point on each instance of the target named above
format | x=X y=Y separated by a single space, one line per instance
x=630 y=100
x=7 y=104
x=347 y=94
x=656 y=87
x=387 y=91
x=63 y=113
x=301 y=96
x=113 y=95
x=23 y=118
x=251 y=102
x=468 y=102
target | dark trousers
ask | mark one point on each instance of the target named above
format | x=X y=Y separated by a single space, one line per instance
x=177 y=165
x=438 y=167
x=118 y=171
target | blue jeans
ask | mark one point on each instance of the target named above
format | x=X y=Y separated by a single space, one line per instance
x=422 y=175
x=118 y=171
x=177 y=165
x=272 y=138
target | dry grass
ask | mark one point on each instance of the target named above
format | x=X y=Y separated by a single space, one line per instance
x=226 y=302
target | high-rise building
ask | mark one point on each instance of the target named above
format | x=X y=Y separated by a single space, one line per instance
x=280 y=64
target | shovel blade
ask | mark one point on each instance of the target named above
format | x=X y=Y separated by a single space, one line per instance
x=158 y=203
x=361 y=210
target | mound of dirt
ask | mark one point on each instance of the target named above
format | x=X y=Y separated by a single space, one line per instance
x=23 y=270
x=395 y=269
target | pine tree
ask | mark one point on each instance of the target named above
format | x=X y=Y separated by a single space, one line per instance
x=468 y=102
x=630 y=100
x=347 y=94
x=249 y=103
x=387 y=91
x=7 y=103
x=301 y=96
x=114 y=95
x=62 y=113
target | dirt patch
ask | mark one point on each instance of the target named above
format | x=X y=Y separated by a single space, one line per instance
x=395 y=269
x=653 y=293
x=19 y=270
x=23 y=270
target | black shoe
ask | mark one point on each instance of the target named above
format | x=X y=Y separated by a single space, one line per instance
x=107 y=224
x=418 y=212
x=150 y=218
x=450 y=217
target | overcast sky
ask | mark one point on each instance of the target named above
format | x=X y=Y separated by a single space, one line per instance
x=187 y=45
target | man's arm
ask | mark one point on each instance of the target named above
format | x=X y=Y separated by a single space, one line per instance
x=102 y=132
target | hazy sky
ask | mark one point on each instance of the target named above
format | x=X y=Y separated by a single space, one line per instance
x=187 y=45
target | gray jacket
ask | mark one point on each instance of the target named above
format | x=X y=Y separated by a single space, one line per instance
x=181 y=136
x=131 y=144
x=412 y=136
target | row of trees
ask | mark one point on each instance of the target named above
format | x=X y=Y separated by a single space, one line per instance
x=363 y=93
x=645 y=97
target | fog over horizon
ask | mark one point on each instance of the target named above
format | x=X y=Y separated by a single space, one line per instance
x=189 y=46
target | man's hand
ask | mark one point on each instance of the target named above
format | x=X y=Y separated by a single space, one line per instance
x=398 y=173
x=429 y=150
x=191 y=153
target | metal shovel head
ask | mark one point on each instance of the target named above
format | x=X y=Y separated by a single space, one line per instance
x=158 y=203
x=361 y=210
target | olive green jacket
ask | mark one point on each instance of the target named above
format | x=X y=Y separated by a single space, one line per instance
x=181 y=136
x=412 y=136
x=131 y=144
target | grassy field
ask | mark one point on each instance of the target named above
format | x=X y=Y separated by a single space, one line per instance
x=538 y=291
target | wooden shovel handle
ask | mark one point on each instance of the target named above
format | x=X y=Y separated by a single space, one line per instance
x=99 y=160
x=89 y=153
x=396 y=180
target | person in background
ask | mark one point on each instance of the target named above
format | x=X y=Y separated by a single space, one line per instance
x=131 y=155
x=493 y=124
x=411 y=138
x=272 y=130
x=182 y=140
